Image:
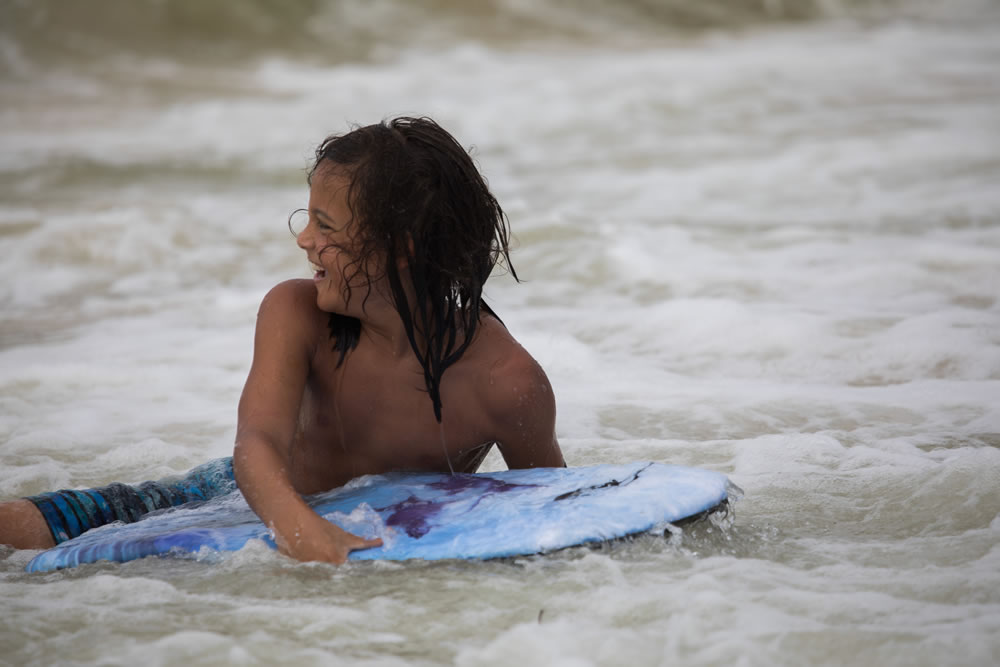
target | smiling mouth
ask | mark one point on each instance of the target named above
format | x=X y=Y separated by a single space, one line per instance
x=318 y=271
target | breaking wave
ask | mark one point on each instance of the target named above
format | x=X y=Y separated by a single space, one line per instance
x=38 y=32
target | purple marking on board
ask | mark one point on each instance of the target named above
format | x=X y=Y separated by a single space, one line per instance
x=412 y=515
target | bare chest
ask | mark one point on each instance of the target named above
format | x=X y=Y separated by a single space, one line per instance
x=364 y=418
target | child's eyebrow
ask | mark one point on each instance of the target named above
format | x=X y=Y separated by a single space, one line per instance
x=320 y=213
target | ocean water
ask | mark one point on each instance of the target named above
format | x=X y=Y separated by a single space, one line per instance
x=760 y=237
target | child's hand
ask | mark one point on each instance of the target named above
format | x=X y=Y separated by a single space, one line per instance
x=316 y=539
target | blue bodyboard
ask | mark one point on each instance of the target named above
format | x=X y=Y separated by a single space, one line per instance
x=430 y=516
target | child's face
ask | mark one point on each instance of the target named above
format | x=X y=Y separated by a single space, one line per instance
x=329 y=240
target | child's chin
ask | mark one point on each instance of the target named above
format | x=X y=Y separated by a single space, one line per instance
x=328 y=305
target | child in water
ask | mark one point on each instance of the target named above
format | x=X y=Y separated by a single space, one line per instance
x=388 y=359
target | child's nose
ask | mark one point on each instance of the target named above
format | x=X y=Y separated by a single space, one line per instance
x=302 y=239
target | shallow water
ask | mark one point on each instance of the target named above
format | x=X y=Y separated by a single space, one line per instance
x=762 y=239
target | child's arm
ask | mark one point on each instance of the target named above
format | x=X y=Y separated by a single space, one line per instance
x=268 y=413
x=523 y=407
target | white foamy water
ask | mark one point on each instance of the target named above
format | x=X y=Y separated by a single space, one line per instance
x=770 y=250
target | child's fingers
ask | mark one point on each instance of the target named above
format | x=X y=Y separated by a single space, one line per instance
x=374 y=542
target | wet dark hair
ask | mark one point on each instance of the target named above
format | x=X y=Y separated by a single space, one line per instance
x=417 y=194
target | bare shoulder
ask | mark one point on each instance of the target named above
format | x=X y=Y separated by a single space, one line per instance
x=288 y=327
x=284 y=344
x=519 y=401
x=289 y=309
x=515 y=377
x=297 y=294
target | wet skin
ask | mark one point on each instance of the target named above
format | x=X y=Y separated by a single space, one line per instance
x=307 y=425
x=373 y=414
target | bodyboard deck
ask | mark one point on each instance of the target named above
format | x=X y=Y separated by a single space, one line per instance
x=431 y=516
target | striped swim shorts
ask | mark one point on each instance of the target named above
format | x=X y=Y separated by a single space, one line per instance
x=72 y=512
